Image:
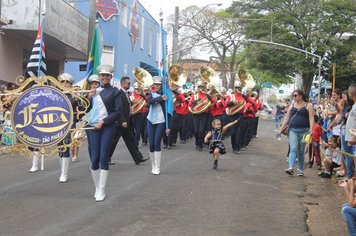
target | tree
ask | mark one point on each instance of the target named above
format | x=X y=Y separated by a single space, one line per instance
x=219 y=29
x=305 y=24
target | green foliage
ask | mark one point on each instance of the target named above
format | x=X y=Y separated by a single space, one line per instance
x=325 y=28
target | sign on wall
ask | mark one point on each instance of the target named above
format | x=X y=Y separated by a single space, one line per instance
x=107 y=8
x=42 y=116
x=134 y=25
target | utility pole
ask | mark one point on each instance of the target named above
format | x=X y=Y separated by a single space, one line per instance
x=175 y=36
x=334 y=76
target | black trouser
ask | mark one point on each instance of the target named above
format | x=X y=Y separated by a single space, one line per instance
x=199 y=123
x=139 y=124
x=174 y=127
x=179 y=125
x=236 y=132
x=255 y=126
x=248 y=133
x=183 y=127
x=243 y=131
x=190 y=126
x=128 y=136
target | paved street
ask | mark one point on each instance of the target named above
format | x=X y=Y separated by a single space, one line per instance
x=248 y=195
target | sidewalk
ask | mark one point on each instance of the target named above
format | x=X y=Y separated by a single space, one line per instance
x=322 y=199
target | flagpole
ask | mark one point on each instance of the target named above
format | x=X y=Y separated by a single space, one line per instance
x=41 y=44
x=163 y=71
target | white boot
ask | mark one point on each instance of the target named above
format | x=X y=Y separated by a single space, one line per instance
x=158 y=163
x=35 y=162
x=64 y=169
x=96 y=176
x=102 y=183
x=153 y=162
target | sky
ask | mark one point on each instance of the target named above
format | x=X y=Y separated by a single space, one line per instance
x=168 y=6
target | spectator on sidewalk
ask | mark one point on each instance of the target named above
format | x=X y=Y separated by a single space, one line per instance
x=333 y=159
x=315 y=145
x=348 y=209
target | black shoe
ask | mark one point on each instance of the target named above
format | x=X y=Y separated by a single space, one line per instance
x=215 y=165
x=325 y=175
x=200 y=149
x=289 y=171
x=142 y=160
x=169 y=147
x=165 y=146
x=111 y=163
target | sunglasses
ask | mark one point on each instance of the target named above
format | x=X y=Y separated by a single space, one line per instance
x=295 y=95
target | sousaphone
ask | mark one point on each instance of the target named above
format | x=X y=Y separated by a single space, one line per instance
x=144 y=79
x=176 y=75
x=210 y=77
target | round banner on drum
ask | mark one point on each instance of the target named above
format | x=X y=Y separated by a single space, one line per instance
x=42 y=116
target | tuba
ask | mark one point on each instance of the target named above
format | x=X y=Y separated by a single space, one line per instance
x=248 y=83
x=246 y=79
x=208 y=76
x=236 y=108
x=145 y=80
x=176 y=75
x=142 y=76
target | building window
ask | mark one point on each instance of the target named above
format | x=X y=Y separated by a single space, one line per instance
x=150 y=42
x=108 y=55
x=157 y=47
x=142 y=36
x=124 y=13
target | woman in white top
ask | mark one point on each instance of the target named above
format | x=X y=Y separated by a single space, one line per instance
x=156 y=123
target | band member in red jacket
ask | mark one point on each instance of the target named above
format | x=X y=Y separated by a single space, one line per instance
x=248 y=116
x=217 y=110
x=178 y=121
x=139 y=119
x=234 y=99
x=257 y=107
x=200 y=119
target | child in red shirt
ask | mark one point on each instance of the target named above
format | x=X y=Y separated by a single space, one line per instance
x=317 y=132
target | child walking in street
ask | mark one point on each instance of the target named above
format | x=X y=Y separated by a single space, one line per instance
x=216 y=136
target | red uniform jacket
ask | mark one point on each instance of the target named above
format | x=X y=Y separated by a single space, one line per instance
x=180 y=105
x=235 y=97
x=200 y=96
x=136 y=96
x=218 y=108
x=249 y=109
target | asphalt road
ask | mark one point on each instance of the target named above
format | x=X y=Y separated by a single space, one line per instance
x=248 y=195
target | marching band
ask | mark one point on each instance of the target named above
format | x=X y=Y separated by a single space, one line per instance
x=198 y=109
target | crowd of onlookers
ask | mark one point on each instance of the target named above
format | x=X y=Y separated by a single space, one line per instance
x=326 y=133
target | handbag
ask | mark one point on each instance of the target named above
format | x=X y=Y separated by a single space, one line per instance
x=285 y=131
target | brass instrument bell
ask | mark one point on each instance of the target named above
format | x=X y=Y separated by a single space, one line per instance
x=176 y=75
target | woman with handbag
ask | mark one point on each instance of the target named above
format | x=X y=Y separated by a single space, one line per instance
x=300 y=121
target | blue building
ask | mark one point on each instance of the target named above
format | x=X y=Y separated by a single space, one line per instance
x=130 y=38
